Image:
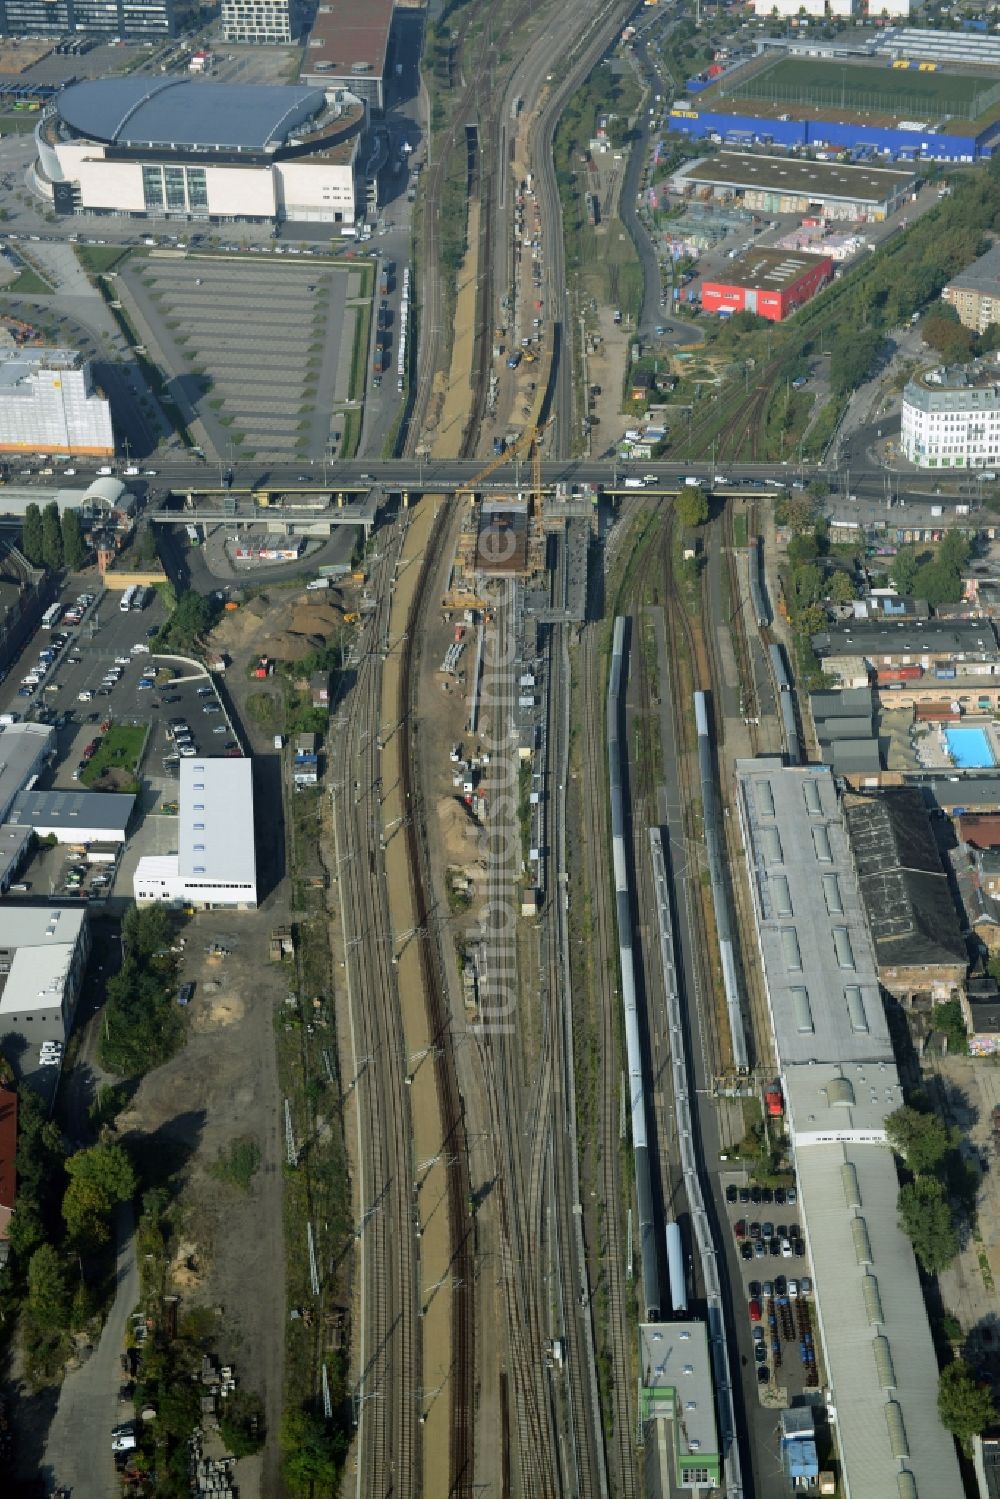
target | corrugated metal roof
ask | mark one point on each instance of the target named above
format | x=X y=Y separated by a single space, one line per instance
x=853 y=1309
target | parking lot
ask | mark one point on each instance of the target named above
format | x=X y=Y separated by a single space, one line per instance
x=155 y=694
x=776 y=1288
x=265 y=351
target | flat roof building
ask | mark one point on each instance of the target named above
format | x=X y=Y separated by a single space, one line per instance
x=74 y=816
x=675 y=1384
x=260 y=22
x=132 y=20
x=906 y=642
x=784 y=184
x=48 y=401
x=347 y=48
x=770 y=283
x=216 y=863
x=816 y=955
x=951 y=417
x=840 y=1083
x=907 y=898
x=24 y=748
x=43 y=954
x=870 y=1312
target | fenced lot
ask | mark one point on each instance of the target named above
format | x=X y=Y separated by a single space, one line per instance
x=877 y=89
x=264 y=346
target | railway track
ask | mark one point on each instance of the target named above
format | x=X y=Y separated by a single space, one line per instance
x=461 y=1224
x=589 y=1477
x=387 y=1417
x=602 y=962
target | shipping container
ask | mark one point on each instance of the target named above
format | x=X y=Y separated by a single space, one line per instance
x=899 y=674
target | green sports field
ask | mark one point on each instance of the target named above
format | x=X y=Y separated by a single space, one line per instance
x=878 y=90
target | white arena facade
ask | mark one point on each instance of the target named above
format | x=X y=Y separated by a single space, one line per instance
x=194 y=150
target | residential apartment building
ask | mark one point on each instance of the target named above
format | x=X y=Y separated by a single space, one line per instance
x=951 y=418
x=975 y=293
x=259 y=21
x=141 y=20
x=49 y=403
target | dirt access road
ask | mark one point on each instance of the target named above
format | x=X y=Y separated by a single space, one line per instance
x=223 y=1086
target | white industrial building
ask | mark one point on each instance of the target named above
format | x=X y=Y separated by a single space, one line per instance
x=43 y=954
x=814 y=9
x=951 y=418
x=49 y=403
x=24 y=749
x=840 y=1083
x=188 y=148
x=78 y=817
x=215 y=865
x=259 y=22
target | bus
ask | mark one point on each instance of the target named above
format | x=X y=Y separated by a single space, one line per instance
x=52 y=616
x=193 y=536
x=125 y=603
x=142 y=597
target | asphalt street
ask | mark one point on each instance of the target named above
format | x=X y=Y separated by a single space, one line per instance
x=78 y=1450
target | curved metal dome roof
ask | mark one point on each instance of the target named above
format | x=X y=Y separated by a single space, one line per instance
x=187 y=113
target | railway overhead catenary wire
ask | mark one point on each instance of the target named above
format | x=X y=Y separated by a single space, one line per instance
x=387 y=1440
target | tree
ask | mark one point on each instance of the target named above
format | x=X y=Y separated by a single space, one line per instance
x=925 y=1218
x=808 y=585
x=904 y=568
x=74 y=551
x=923 y=1140
x=242 y=1423
x=803 y=548
x=841 y=588
x=964 y=1405
x=86 y=1210
x=48 y=1292
x=108 y=1167
x=52 y=547
x=810 y=620
x=31 y=534
x=692 y=506
x=851 y=358
x=313 y=1455
x=99 y=1178
x=26 y=1228
x=941 y=330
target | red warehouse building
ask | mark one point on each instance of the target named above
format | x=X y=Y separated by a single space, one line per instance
x=771 y=283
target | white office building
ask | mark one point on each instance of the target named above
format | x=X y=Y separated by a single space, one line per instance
x=260 y=22
x=815 y=9
x=951 y=418
x=215 y=865
x=49 y=403
x=43 y=954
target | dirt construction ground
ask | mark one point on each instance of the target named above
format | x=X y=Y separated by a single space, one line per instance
x=222 y=1086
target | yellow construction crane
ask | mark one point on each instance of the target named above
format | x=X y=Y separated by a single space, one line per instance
x=529 y=439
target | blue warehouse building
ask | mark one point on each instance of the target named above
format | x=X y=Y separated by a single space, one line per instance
x=747 y=130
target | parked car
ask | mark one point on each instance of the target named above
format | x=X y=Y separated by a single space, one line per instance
x=731 y=1192
x=185 y=993
x=753 y=1307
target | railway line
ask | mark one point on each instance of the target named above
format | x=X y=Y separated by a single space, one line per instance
x=589 y=1478
x=615 y=1275
x=387 y=1452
